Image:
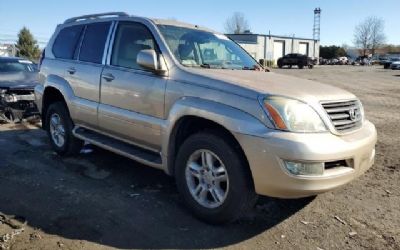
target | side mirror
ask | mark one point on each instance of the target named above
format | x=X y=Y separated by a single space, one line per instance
x=148 y=59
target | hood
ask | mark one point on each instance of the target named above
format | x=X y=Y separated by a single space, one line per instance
x=19 y=80
x=272 y=84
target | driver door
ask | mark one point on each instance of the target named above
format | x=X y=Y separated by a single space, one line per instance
x=132 y=98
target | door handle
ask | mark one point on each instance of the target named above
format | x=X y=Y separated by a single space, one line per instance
x=108 y=77
x=71 y=71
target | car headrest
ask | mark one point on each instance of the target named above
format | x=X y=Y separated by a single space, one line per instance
x=185 y=51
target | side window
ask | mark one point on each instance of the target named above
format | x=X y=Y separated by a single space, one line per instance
x=93 y=43
x=130 y=39
x=66 y=42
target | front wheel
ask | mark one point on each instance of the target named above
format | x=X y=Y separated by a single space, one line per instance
x=59 y=129
x=213 y=178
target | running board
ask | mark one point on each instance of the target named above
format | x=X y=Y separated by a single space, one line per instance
x=133 y=152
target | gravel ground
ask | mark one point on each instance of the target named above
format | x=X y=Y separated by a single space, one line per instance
x=99 y=200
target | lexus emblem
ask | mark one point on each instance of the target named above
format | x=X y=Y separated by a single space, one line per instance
x=353 y=114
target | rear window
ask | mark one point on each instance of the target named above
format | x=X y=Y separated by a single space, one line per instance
x=16 y=66
x=66 y=42
x=93 y=44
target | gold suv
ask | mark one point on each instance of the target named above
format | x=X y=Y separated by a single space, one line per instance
x=190 y=101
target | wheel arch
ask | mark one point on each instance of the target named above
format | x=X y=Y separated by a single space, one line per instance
x=192 y=115
x=55 y=89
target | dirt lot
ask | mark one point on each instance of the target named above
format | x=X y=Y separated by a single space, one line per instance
x=101 y=200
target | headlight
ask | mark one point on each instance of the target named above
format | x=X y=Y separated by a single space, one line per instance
x=292 y=115
x=10 y=98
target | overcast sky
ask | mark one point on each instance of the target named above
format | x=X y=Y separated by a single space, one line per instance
x=281 y=17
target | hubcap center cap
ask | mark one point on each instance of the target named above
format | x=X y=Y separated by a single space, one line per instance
x=208 y=178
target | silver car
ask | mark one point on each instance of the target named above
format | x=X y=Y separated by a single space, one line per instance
x=193 y=103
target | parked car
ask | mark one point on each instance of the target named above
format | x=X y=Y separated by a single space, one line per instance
x=226 y=131
x=323 y=61
x=395 y=65
x=343 y=60
x=382 y=59
x=299 y=60
x=18 y=77
x=387 y=64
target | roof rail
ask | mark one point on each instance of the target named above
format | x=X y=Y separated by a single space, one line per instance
x=94 y=16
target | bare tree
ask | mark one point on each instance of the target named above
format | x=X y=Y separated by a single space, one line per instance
x=378 y=37
x=237 y=24
x=369 y=34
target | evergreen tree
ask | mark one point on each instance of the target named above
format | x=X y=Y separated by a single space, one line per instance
x=27 y=45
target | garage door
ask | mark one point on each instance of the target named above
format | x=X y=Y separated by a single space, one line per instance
x=279 y=48
x=303 y=48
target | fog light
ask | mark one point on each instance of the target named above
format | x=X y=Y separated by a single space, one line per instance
x=303 y=168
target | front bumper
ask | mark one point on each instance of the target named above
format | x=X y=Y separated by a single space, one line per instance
x=266 y=153
x=15 y=106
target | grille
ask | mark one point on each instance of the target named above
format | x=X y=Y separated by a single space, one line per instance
x=345 y=115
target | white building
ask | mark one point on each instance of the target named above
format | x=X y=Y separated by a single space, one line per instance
x=271 y=47
x=7 y=50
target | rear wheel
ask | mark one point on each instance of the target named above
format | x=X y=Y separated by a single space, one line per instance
x=280 y=64
x=59 y=129
x=213 y=178
x=300 y=65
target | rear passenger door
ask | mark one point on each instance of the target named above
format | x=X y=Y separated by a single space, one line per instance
x=83 y=74
x=132 y=98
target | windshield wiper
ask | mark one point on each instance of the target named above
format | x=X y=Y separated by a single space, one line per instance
x=205 y=65
x=255 y=67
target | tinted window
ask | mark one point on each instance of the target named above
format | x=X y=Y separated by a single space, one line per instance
x=93 y=42
x=130 y=39
x=67 y=41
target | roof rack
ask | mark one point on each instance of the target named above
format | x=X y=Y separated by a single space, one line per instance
x=94 y=16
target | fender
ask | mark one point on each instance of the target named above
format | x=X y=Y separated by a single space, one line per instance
x=61 y=85
x=233 y=119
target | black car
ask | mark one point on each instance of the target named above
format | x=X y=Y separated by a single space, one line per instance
x=296 y=59
x=18 y=78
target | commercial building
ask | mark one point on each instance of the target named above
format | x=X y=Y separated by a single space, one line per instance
x=271 y=47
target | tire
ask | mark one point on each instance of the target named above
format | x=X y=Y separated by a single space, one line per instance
x=300 y=65
x=290 y=66
x=70 y=144
x=239 y=195
x=280 y=64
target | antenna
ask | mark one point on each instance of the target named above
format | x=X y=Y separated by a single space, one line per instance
x=317 y=22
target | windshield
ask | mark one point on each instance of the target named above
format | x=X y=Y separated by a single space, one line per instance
x=197 y=48
x=15 y=67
